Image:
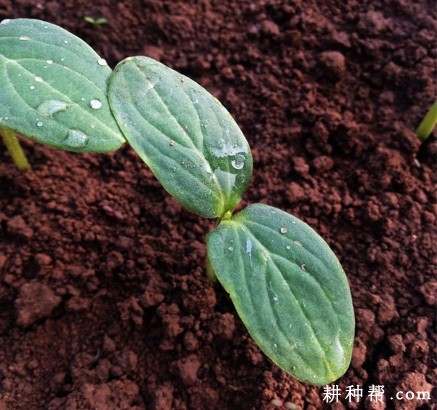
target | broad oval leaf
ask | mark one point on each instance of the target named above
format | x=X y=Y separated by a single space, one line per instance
x=187 y=138
x=289 y=289
x=53 y=88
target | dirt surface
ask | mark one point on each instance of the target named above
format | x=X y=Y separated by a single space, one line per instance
x=104 y=301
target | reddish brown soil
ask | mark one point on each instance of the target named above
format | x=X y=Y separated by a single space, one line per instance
x=104 y=302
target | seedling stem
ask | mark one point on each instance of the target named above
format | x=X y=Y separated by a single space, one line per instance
x=14 y=148
x=227 y=216
x=425 y=128
x=210 y=271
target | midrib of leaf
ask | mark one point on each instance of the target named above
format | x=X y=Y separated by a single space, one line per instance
x=226 y=196
x=284 y=258
x=285 y=339
x=147 y=160
x=278 y=270
x=271 y=303
x=219 y=192
x=197 y=145
x=73 y=56
x=55 y=91
x=188 y=140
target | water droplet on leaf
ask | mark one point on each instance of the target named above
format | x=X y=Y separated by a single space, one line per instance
x=5 y=21
x=230 y=248
x=102 y=61
x=238 y=162
x=95 y=104
x=24 y=38
x=51 y=107
x=283 y=230
x=39 y=124
x=39 y=79
x=248 y=246
x=49 y=61
x=76 y=139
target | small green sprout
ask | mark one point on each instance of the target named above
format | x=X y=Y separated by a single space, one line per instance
x=428 y=123
x=53 y=90
x=285 y=282
x=96 y=22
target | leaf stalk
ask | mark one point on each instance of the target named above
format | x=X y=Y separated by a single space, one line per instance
x=210 y=271
x=13 y=146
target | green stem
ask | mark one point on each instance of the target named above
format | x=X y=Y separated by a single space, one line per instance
x=14 y=148
x=425 y=128
x=210 y=271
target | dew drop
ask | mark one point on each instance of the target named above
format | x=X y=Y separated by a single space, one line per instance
x=51 y=107
x=171 y=143
x=303 y=267
x=288 y=247
x=238 y=162
x=32 y=87
x=5 y=21
x=49 y=61
x=275 y=345
x=102 y=61
x=275 y=298
x=39 y=124
x=283 y=230
x=248 y=246
x=76 y=139
x=95 y=104
x=24 y=38
x=39 y=79
x=230 y=248
x=65 y=41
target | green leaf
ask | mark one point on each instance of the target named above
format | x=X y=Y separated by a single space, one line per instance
x=53 y=88
x=187 y=138
x=289 y=289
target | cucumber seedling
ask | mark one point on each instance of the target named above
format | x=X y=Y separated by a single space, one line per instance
x=285 y=282
x=53 y=90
